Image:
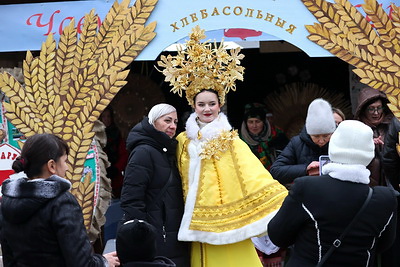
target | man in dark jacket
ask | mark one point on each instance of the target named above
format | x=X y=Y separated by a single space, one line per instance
x=318 y=209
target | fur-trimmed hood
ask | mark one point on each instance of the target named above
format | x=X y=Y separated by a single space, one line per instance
x=22 y=197
x=210 y=130
x=367 y=96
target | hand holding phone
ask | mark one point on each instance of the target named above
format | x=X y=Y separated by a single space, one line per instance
x=313 y=168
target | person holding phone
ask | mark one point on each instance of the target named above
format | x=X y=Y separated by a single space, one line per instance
x=318 y=211
x=301 y=156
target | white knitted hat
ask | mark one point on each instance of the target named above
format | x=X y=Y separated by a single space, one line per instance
x=352 y=143
x=320 y=118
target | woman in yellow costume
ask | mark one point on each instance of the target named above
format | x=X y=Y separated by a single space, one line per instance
x=229 y=195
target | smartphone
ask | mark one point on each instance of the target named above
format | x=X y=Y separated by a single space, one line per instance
x=323 y=160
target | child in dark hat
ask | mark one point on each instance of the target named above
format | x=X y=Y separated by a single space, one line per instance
x=136 y=245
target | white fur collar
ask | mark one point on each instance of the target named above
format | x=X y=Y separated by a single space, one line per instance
x=347 y=172
x=210 y=130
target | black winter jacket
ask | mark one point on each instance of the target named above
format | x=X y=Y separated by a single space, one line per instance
x=316 y=212
x=295 y=158
x=390 y=156
x=42 y=225
x=151 y=161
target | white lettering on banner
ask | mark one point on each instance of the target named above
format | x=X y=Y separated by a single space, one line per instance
x=237 y=11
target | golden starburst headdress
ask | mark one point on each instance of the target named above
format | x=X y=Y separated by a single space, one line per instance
x=202 y=66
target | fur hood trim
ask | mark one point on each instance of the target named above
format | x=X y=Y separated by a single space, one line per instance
x=210 y=130
x=36 y=188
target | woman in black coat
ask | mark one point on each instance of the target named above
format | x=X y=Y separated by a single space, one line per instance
x=318 y=209
x=391 y=167
x=152 y=189
x=42 y=223
x=391 y=156
x=301 y=156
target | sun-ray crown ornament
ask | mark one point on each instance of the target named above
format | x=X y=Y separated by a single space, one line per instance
x=202 y=66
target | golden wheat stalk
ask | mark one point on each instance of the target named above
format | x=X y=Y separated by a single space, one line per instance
x=374 y=52
x=64 y=60
x=387 y=55
x=333 y=34
x=114 y=18
x=67 y=87
x=396 y=22
x=382 y=23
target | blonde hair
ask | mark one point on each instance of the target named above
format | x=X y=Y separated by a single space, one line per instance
x=339 y=112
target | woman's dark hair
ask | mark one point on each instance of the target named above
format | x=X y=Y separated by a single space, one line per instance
x=207 y=90
x=255 y=110
x=385 y=101
x=37 y=151
x=108 y=109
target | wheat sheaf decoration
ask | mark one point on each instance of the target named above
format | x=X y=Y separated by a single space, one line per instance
x=371 y=45
x=68 y=86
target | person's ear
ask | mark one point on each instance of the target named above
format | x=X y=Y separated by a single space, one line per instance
x=51 y=166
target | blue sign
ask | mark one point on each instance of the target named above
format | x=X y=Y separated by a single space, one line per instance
x=25 y=26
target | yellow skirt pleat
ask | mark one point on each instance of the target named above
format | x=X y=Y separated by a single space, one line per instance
x=241 y=254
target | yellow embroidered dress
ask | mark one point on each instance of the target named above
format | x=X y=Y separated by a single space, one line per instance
x=229 y=195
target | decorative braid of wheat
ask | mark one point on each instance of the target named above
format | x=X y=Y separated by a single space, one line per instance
x=69 y=85
x=372 y=48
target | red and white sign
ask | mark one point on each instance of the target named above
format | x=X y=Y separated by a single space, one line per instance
x=8 y=154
